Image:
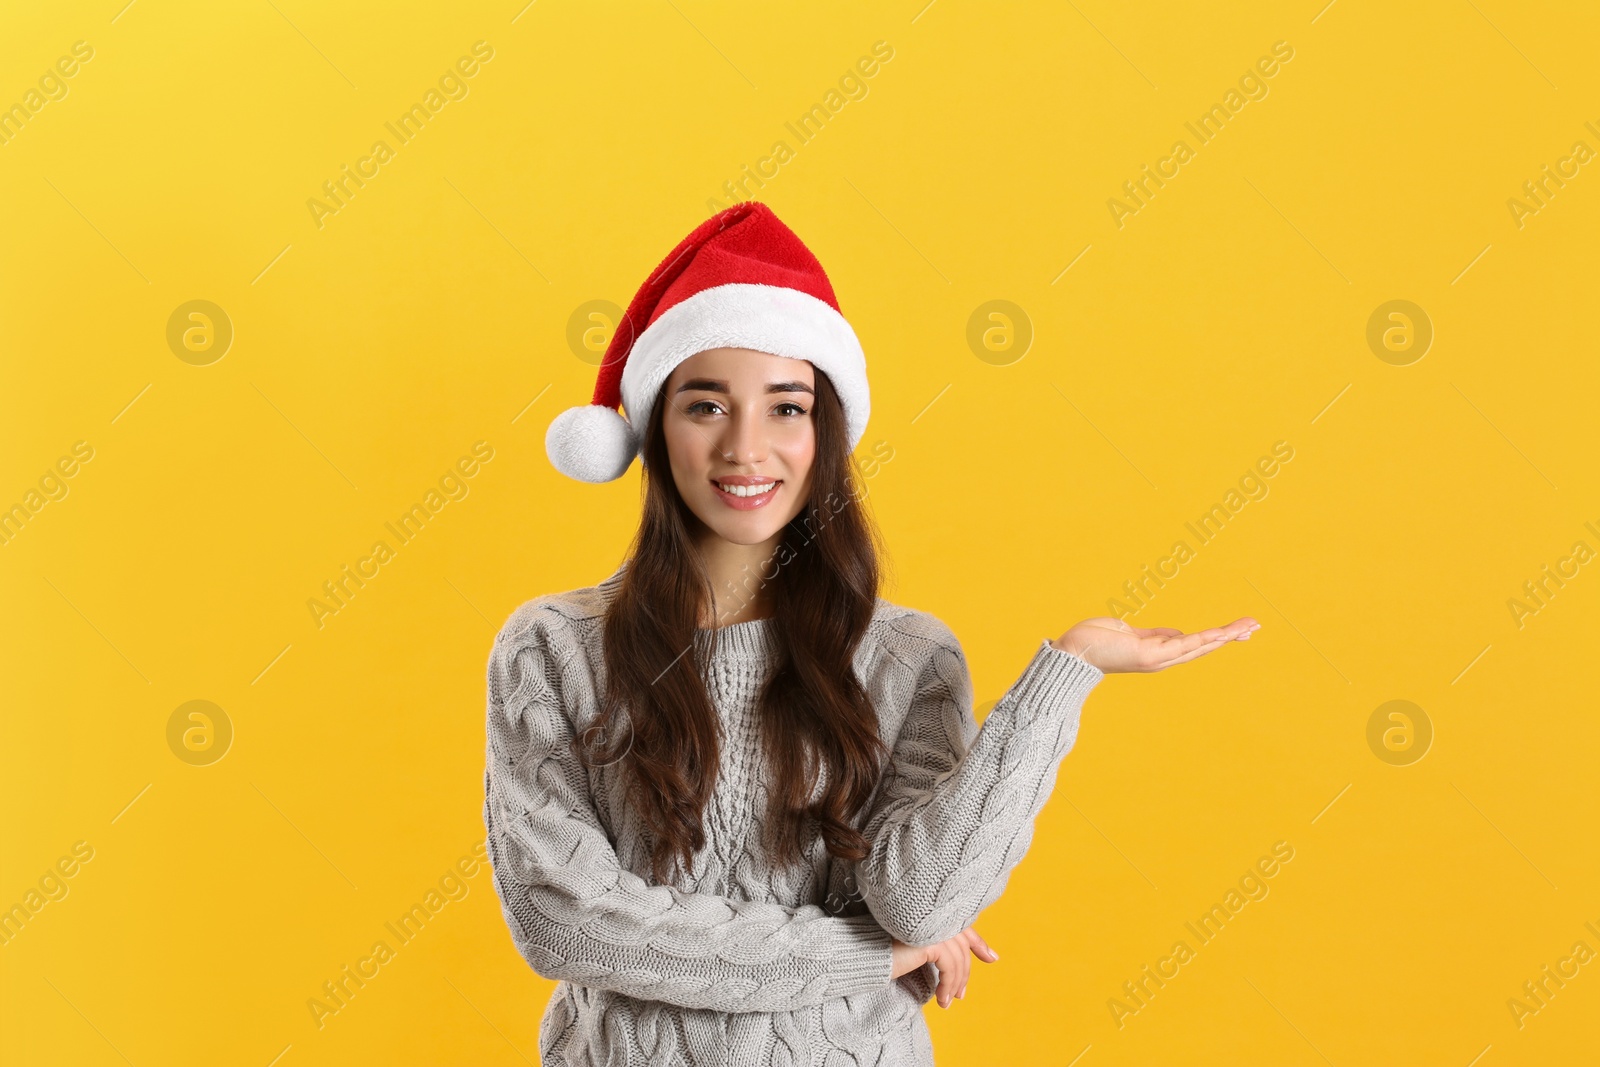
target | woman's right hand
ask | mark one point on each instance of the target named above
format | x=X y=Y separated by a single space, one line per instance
x=950 y=957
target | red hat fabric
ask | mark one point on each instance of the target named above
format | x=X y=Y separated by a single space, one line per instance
x=741 y=279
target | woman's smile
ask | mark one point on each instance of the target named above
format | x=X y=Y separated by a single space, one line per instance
x=746 y=493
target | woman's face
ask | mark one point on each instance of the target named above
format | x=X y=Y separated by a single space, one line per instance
x=738 y=416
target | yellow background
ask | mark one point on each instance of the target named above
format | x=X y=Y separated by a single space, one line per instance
x=1228 y=314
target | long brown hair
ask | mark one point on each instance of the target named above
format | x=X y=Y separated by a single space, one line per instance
x=813 y=712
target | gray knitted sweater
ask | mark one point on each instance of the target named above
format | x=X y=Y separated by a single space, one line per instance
x=736 y=962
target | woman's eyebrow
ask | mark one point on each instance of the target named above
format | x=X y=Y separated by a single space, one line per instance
x=716 y=385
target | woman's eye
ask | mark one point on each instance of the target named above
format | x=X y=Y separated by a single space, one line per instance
x=708 y=407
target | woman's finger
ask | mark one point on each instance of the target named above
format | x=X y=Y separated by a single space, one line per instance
x=957 y=955
x=953 y=960
x=947 y=974
x=981 y=947
x=1175 y=650
x=1197 y=653
x=1191 y=655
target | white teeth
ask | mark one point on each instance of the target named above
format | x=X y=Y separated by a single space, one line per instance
x=747 y=490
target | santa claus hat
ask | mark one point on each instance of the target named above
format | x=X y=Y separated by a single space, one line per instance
x=742 y=279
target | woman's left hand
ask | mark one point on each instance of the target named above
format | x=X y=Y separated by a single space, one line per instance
x=1115 y=647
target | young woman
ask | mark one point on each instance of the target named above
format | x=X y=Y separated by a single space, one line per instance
x=738 y=804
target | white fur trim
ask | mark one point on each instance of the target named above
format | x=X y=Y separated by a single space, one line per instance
x=592 y=443
x=765 y=318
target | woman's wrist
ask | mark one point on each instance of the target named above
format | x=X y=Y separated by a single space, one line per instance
x=1069 y=648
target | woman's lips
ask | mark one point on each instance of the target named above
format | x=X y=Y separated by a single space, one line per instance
x=746 y=503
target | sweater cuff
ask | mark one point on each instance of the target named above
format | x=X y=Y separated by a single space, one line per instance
x=1055 y=677
x=862 y=958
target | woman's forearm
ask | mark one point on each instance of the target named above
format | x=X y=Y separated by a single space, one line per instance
x=952 y=827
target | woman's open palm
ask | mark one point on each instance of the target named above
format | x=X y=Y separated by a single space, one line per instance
x=1115 y=647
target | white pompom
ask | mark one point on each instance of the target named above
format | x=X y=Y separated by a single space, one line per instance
x=592 y=443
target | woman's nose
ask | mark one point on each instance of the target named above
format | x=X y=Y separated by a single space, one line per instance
x=744 y=440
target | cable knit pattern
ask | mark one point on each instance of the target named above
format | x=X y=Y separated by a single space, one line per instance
x=737 y=962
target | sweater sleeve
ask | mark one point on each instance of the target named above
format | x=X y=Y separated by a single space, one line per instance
x=955 y=812
x=576 y=914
